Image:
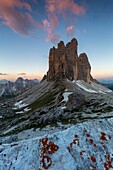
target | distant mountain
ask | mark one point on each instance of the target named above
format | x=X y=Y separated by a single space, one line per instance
x=3 y=81
x=8 y=88
x=107 y=82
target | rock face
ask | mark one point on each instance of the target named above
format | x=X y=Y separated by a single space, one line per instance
x=65 y=63
x=84 y=68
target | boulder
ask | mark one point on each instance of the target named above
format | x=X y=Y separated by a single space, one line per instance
x=75 y=101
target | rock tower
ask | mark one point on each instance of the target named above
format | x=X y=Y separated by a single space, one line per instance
x=65 y=63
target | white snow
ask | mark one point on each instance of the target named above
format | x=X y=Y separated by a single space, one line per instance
x=20 y=112
x=27 y=109
x=65 y=95
x=23 y=111
x=63 y=107
x=81 y=85
x=20 y=104
x=92 y=87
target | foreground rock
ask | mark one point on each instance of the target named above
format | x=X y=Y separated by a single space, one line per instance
x=84 y=146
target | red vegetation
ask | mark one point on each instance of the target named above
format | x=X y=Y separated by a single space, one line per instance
x=48 y=148
x=95 y=145
x=108 y=163
x=48 y=160
x=85 y=130
x=81 y=153
x=88 y=135
x=93 y=159
x=75 y=141
x=103 y=137
x=91 y=141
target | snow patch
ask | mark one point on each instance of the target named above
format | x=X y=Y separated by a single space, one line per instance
x=20 y=112
x=63 y=107
x=27 y=109
x=20 y=104
x=24 y=111
x=65 y=95
x=81 y=85
x=92 y=87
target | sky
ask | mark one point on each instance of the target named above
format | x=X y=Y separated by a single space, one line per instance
x=29 y=28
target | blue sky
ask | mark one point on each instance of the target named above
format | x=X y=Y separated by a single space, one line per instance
x=28 y=30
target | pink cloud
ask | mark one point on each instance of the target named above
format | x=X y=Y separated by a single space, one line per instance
x=20 y=22
x=50 y=25
x=46 y=24
x=56 y=9
x=62 y=6
x=70 y=31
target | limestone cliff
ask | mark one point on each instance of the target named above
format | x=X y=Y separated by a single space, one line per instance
x=84 y=68
x=65 y=63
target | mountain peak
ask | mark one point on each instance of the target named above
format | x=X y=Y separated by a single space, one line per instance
x=65 y=63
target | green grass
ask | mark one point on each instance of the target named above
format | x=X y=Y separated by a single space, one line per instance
x=108 y=109
x=45 y=100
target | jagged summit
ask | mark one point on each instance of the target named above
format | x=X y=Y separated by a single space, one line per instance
x=65 y=63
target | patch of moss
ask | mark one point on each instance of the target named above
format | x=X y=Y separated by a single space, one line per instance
x=45 y=100
x=108 y=109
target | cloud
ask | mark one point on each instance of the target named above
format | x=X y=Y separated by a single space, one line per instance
x=3 y=74
x=70 y=31
x=62 y=6
x=46 y=24
x=55 y=10
x=22 y=74
x=16 y=14
x=50 y=26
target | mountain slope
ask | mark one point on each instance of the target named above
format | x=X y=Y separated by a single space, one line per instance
x=64 y=122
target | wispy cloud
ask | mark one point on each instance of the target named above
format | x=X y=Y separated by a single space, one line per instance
x=16 y=14
x=49 y=26
x=70 y=31
x=3 y=74
x=62 y=6
x=21 y=74
x=55 y=10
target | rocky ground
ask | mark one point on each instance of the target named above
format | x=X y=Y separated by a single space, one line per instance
x=84 y=146
x=63 y=121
